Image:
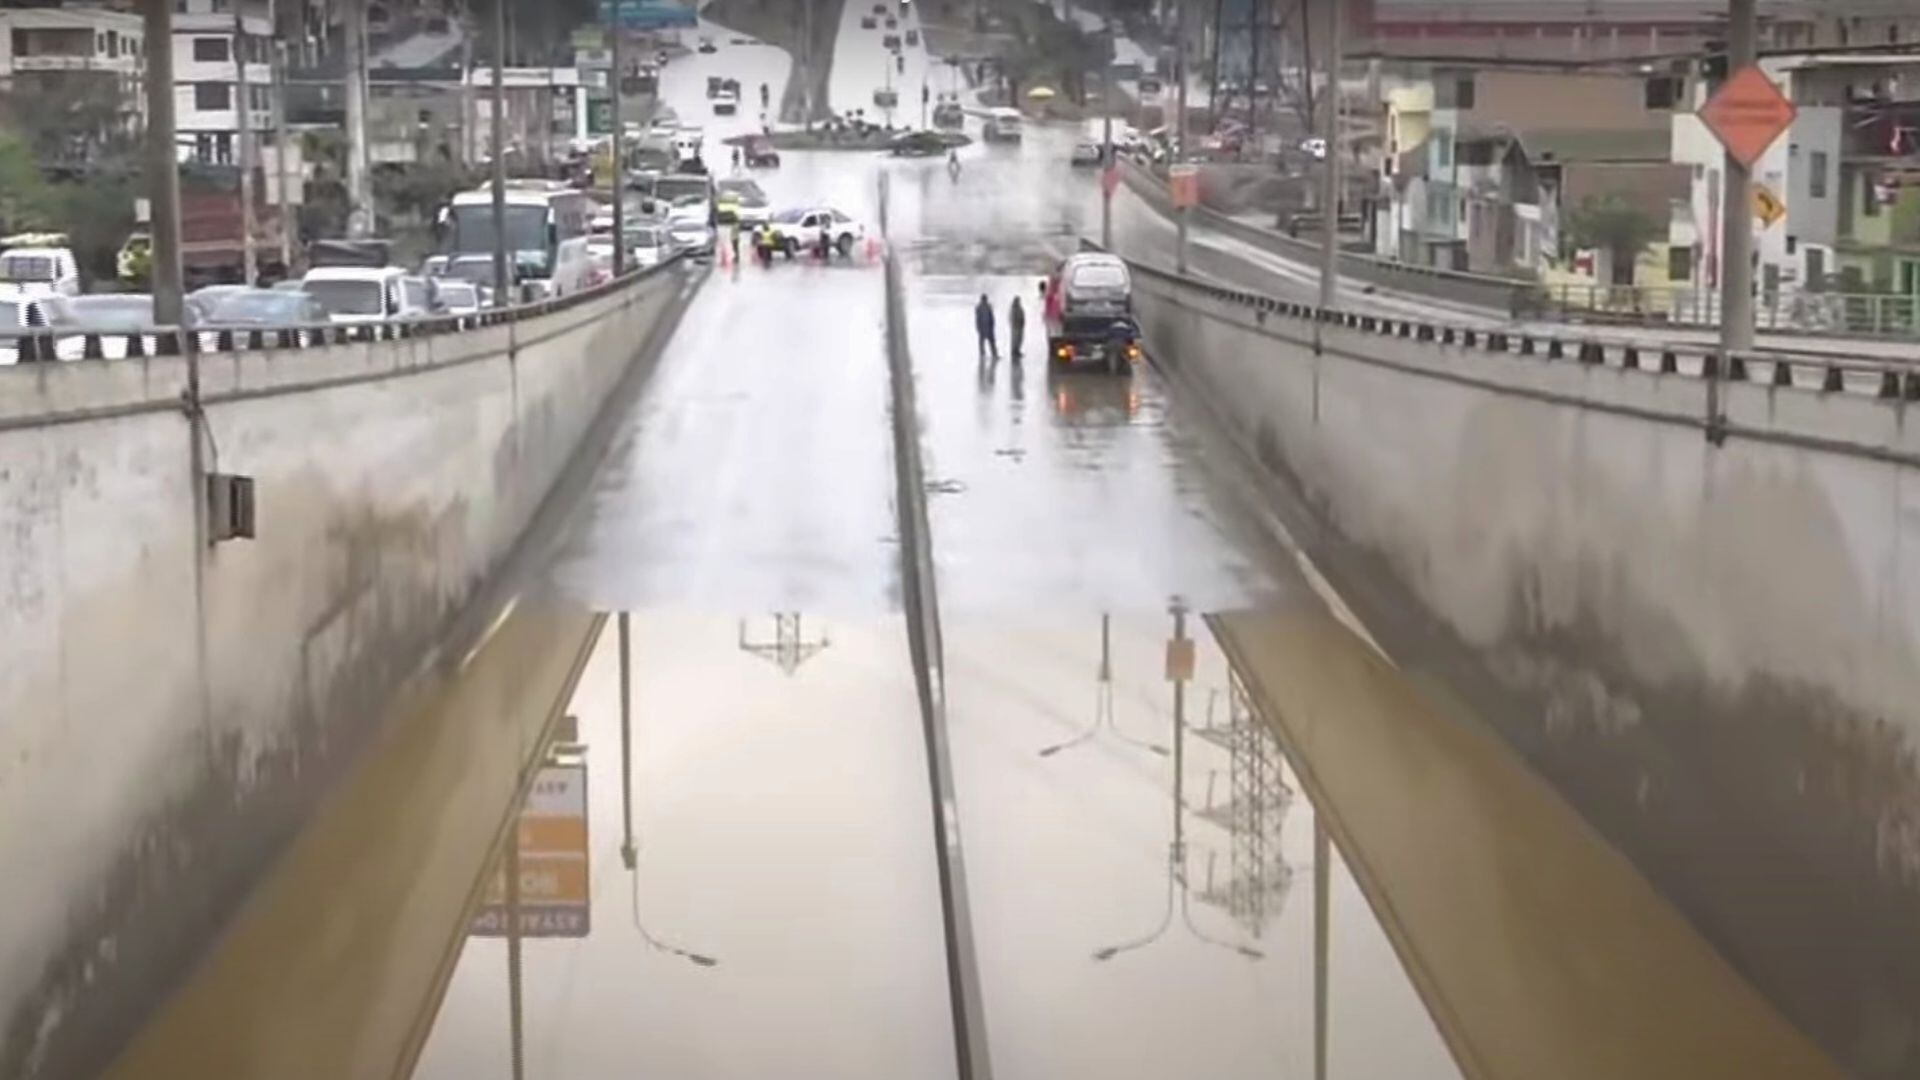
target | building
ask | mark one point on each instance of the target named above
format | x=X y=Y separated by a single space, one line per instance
x=84 y=64
x=1480 y=165
x=1570 y=30
x=1837 y=196
x=208 y=54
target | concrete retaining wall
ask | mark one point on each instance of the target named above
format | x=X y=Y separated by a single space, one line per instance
x=1711 y=648
x=170 y=711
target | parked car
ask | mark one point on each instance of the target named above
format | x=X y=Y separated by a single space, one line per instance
x=707 y=46
x=365 y=294
x=1087 y=154
x=890 y=41
x=115 y=315
x=761 y=154
x=691 y=235
x=868 y=22
x=913 y=36
x=798 y=229
x=266 y=307
x=726 y=103
x=18 y=315
x=917 y=144
x=199 y=303
x=459 y=297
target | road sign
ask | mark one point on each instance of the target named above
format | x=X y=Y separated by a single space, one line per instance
x=1109 y=180
x=1767 y=206
x=554 y=869
x=1184 y=182
x=1180 y=660
x=1747 y=114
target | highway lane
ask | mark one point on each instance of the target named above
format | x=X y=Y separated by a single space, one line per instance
x=1141 y=853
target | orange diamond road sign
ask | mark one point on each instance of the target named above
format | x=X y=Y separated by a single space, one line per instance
x=1747 y=114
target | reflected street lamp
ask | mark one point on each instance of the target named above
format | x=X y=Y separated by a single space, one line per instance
x=1177 y=850
x=1103 y=702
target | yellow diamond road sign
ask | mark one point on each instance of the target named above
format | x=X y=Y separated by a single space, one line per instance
x=1767 y=206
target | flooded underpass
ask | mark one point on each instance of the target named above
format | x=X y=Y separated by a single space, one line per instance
x=672 y=815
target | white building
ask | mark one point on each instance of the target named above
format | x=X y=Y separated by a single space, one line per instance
x=206 y=62
x=60 y=53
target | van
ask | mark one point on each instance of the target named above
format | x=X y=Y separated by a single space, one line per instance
x=33 y=272
x=365 y=294
x=1003 y=125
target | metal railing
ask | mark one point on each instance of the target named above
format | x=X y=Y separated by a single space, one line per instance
x=53 y=344
x=1873 y=315
x=1895 y=379
x=1879 y=315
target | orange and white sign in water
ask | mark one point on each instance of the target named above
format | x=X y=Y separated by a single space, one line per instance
x=555 y=872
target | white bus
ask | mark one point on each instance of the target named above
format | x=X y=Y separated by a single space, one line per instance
x=547 y=224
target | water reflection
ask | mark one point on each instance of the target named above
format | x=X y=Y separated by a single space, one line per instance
x=789 y=647
x=1180 y=665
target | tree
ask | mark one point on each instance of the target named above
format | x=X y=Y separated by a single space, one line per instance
x=26 y=202
x=1612 y=224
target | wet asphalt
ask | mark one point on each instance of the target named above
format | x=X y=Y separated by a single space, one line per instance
x=750 y=859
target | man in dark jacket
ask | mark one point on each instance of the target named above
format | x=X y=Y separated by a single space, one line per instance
x=1016 y=328
x=983 y=325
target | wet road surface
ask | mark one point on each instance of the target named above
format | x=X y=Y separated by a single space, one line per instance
x=735 y=878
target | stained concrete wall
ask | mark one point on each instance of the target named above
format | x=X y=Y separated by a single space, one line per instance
x=169 y=711
x=1713 y=651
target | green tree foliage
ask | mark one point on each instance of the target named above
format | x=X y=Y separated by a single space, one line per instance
x=26 y=200
x=1612 y=224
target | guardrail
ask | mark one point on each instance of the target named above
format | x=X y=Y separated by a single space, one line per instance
x=1479 y=290
x=55 y=345
x=1876 y=315
x=1885 y=378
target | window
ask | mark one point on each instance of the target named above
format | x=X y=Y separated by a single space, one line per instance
x=1680 y=263
x=1443 y=148
x=261 y=97
x=211 y=50
x=1663 y=92
x=1870 y=199
x=1817 y=181
x=113 y=43
x=212 y=96
x=1456 y=93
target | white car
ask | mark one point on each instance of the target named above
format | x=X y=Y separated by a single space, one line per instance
x=801 y=228
x=691 y=235
x=366 y=294
x=32 y=272
x=458 y=297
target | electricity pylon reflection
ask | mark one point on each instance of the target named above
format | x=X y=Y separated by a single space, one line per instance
x=1178 y=892
x=789 y=647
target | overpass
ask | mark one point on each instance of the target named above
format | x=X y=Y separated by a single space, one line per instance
x=1359 y=693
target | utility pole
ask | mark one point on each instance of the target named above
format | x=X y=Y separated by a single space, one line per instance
x=1182 y=213
x=1107 y=164
x=163 y=168
x=283 y=173
x=359 y=188
x=1736 y=233
x=502 y=281
x=469 y=120
x=1255 y=31
x=243 y=122
x=1330 y=175
x=617 y=146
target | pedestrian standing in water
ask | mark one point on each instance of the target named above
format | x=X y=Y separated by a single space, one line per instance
x=1016 y=328
x=983 y=325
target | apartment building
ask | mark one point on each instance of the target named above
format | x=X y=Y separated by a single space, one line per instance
x=87 y=61
x=210 y=50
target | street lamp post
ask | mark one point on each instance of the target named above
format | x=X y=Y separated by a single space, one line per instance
x=1330 y=174
x=243 y=132
x=163 y=169
x=502 y=280
x=617 y=145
